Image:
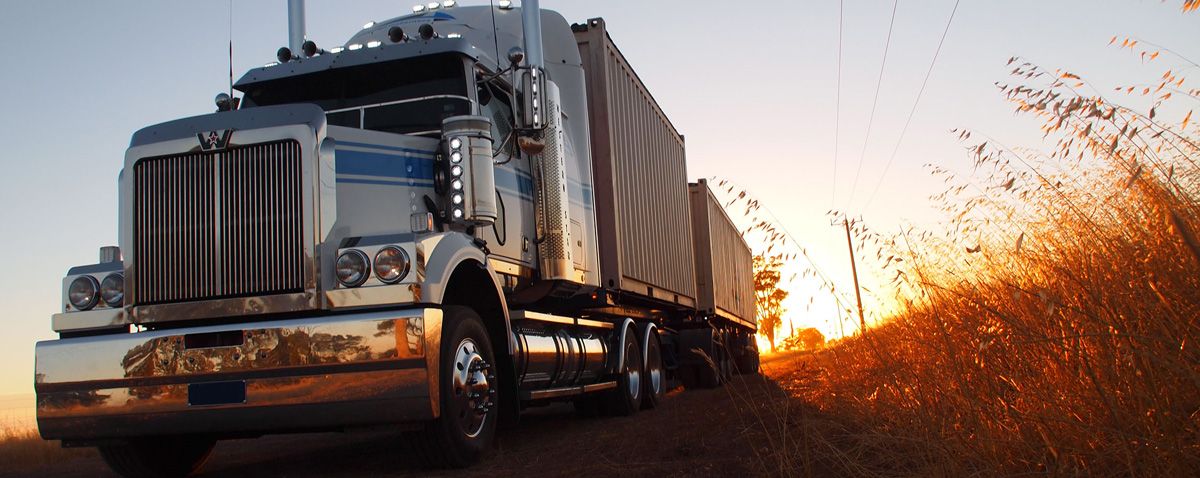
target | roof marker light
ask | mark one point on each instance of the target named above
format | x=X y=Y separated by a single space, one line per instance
x=449 y=4
x=337 y=49
x=368 y=25
x=505 y=4
x=434 y=5
x=418 y=8
x=355 y=46
x=453 y=35
x=374 y=43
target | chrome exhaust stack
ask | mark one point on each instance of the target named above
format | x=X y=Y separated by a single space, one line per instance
x=296 y=26
x=531 y=24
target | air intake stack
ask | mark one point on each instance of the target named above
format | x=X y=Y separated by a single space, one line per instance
x=543 y=124
x=296 y=26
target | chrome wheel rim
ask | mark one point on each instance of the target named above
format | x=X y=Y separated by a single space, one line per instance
x=633 y=369
x=471 y=378
x=654 y=370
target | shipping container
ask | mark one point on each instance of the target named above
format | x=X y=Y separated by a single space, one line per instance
x=724 y=264
x=640 y=173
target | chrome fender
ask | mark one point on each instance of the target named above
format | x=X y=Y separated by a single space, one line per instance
x=438 y=255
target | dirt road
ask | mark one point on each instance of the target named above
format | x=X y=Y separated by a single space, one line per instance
x=717 y=432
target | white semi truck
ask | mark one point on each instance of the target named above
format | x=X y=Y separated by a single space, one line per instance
x=459 y=213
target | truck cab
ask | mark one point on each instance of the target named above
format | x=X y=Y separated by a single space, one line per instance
x=402 y=230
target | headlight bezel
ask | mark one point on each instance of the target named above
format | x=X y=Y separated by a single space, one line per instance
x=93 y=297
x=364 y=272
x=106 y=285
x=401 y=271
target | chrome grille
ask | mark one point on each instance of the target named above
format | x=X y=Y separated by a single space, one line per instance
x=218 y=224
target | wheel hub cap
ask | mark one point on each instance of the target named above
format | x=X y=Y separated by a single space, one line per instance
x=472 y=379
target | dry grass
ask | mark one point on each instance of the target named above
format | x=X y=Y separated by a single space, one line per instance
x=1051 y=329
x=23 y=448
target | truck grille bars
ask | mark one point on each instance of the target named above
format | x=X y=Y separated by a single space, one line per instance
x=214 y=225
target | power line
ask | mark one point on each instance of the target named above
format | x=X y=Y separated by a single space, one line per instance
x=817 y=271
x=914 y=106
x=871 y=119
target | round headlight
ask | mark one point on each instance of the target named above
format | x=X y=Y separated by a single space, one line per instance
x=456 y=157
x=112 y=289
x=456 y=199
x=458 y=213
x=455 y=143
x=352 y=269
x=456 y=170
x=82 y=292
x=391 y=264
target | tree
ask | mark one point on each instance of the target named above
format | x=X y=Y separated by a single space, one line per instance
x=811 y=338
x=768 y=296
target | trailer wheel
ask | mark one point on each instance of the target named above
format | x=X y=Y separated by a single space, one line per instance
x=655 y=377
x=725 y=351
x=157 y=456
x=466 y=427
x=626 y=399
x=701 y=358
x=748 y=362
x=689 y=376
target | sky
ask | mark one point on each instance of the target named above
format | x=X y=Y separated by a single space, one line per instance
x=760 y=90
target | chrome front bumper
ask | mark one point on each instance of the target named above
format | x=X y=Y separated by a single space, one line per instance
x=242 y=379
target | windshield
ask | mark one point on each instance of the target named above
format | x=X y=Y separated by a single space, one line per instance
x=409 y=96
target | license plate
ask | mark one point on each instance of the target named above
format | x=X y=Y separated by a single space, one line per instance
x=217 y=393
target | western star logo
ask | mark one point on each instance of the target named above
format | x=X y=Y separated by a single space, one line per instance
x=214 y=139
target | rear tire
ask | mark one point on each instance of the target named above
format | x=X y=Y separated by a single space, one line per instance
x=157 y=457
x=626 y=399
x=654 y=376
x=466 y=427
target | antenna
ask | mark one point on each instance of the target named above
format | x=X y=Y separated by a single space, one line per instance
x=495 y=38
x=231 y=48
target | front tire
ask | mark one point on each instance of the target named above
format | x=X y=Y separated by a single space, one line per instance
x=157 y=457
x=466 y=427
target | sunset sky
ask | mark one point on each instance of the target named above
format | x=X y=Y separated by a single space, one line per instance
x=753 y=86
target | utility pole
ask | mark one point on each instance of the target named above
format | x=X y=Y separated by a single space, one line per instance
x=862 y=322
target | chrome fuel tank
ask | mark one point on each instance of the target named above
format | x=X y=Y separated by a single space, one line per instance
x=556 y=355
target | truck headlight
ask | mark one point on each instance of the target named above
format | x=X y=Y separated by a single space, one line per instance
x=352 y=268
x=82 y=292
x=391 y=264
x=112 y=289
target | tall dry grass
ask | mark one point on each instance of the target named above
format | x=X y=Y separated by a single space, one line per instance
x=1052 y=327
x=22 y=448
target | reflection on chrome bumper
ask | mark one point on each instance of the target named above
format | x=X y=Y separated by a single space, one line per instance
x=325 y=372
